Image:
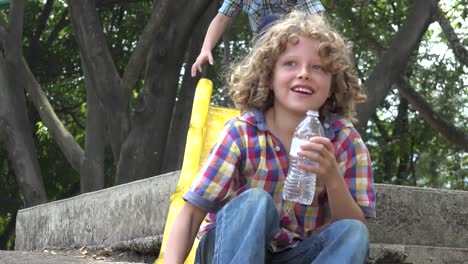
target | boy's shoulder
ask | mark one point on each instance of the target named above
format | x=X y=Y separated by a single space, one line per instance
x=251 y=118
x=336 y=126
x=336 y=122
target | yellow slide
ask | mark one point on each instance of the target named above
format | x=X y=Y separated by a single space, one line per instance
x=205 y=124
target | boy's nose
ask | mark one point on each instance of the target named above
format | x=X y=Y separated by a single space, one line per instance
x=303 y=73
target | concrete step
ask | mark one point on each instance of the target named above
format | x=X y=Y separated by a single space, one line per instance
x=413 y=254
x=378 y=254
x=420 y=216
x=69 y=256
x=137 y=210
x=115 y=215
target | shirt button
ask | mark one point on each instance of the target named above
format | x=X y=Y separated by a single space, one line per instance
x=326 y=125
x=277 y=148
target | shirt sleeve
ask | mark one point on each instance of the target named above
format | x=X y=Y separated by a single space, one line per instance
x=355 y=164
x=230 y=7
x=211 y=189
x=311 y=6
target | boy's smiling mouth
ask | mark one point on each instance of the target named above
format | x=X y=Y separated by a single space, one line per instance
x=302 y=89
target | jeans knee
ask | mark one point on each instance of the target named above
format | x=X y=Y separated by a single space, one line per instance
x=258 y=200
x=355 y=230
x=257 y=196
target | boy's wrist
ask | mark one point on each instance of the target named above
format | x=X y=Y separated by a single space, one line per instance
x=334 y=183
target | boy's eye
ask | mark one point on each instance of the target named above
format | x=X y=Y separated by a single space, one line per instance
x=290 y=63
x=317 y=68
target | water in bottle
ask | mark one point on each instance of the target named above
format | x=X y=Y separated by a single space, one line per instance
x=300 y=184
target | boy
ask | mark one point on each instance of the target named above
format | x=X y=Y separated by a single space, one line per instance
x=300 y=63
x=257 y=11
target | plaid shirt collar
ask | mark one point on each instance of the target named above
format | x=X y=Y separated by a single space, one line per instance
x=256 y=118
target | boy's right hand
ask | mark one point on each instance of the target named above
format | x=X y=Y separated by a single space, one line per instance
x=205 y=56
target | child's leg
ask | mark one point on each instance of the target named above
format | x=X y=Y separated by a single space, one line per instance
x=243 y=229
x=344 y=241
x=206 y=248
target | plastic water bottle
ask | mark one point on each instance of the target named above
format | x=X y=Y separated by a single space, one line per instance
x=300 y=184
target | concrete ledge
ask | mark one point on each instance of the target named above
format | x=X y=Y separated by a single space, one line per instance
x=386 y=253
x=124 y=214
x=121 y=213
x=392 y=254
x=420 y=216
x=436 y=255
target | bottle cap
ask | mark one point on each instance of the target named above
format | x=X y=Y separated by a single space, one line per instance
x=313 y=113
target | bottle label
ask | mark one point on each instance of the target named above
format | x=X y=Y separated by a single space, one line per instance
x=295 y=146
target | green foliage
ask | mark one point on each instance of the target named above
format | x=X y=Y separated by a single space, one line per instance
x=54 y=59
x=404 y=149
x=240 y=44
x=416 y=155
x=10 y=200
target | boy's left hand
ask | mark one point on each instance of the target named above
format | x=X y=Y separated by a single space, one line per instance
x=322 y=152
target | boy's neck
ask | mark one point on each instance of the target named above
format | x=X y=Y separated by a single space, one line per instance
x=282 y=124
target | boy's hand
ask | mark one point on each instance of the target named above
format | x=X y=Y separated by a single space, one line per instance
x=321 y=151
x=205 y=56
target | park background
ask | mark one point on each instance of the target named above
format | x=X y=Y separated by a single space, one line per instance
x=96 y=93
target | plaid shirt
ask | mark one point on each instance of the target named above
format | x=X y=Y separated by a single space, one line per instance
x=246 y=155
x=257 y=9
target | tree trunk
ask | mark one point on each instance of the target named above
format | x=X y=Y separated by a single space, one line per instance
x=17 y=135
x=403 y=141
x=461 y=53
x=155 y=104
x=16 y=129
x=174 y=154
x=395 y=58
x=452 y=133
x=102 y=71
x=92 y=167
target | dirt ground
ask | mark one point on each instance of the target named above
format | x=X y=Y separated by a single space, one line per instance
x=73 y=256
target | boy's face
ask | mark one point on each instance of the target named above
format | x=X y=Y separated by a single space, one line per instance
x=300 y=82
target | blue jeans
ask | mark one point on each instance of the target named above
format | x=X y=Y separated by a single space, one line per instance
x=245 y=225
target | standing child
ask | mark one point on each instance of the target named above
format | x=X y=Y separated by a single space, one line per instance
x=300 y=63
x=257 y=11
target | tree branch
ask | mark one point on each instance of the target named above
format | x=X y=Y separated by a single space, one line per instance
x=455 y=44
x=3 y=28
x=454 y=134
x=63 y=22
x=15 y=19
x=366 y=35
x=97 y=57
x=138 y=57
x=410 y=94
x=382 y=130
x=41 y=22
x=396 y=56
x=65 y=140
x=110 y=3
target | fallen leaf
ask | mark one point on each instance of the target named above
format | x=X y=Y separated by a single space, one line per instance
x=103 y=253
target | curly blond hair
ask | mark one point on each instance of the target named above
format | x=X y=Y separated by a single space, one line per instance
x=249 y=80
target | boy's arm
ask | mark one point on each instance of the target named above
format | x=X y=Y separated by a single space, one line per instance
x=342 y=204
x=215 y=30
x=183 y=233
